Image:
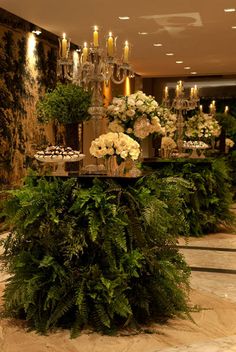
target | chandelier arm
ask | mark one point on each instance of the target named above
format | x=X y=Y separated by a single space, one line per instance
x=118 y=81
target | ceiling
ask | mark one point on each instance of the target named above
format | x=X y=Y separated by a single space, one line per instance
x=198 y=32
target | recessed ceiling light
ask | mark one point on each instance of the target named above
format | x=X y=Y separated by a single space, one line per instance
x=193 y=73
x=169 y=54
x=143 y=33
x=157 y=44
x=230 y=10
x=233 y=27
x=124 y=17
x=187 y=67
x=179 y=62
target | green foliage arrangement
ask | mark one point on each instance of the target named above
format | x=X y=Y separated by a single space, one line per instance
x=207 y=205
x=228 y=122
x=102 y=256
x=67 y=103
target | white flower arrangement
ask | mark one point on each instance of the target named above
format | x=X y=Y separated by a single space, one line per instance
x=168 y=143
x=195 y=145
x=202 y=126
x=229 y=143
x=168 y=121
x=136 y=114
x=113 y=143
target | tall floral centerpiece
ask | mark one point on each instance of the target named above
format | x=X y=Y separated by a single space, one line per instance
x=115 y=148
x=137 y=115
x=168 y=121
x=202 y=127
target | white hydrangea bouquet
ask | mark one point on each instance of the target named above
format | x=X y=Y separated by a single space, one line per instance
x=229 y=143
x=168 y=121
x=118 y=144
x=137 y=115
x=202 y=126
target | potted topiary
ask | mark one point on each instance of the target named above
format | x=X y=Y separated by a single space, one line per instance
x=67 y=104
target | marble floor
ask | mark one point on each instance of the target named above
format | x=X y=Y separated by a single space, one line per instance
x=213 y=329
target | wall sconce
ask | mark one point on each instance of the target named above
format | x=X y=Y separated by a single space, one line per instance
x=37 y=31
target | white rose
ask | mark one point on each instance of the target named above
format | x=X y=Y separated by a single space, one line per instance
x=139 y=103
x=130 y=112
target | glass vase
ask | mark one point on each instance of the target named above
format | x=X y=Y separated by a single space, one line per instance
x=112 y=166
x=126 y=168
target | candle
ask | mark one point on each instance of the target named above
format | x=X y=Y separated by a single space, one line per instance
x=95 y=36
x=200 y=108
x=85 y=52
x=226 y=110
x=213 y=103
x=192 y=93
x=211 y=108
x=110 y=45
x=126 y=52
x=166 y=93
x=177 y=91
x=195 y=91
x=64 y=46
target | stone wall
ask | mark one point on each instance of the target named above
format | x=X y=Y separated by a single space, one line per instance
x=27 y=69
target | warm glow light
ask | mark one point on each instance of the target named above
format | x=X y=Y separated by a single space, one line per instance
x=157 y=44
x=193 y=73
x=230 y=10
x=169 y=54
x=187 y=67
x=143 y=33
x=64 y=35
x=233 y=27
x=179 y=62
x=107 y=93
x=124 y=17
x=127 y=86
x=30 y=54
x=226 y=109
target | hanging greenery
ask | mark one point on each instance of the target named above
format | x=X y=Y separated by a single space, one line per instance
x=47 y=67
x=101 y=256
x=16 y=90
x=11 y=89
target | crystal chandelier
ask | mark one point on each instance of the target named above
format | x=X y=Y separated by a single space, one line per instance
x=93 y=66
x=181 y=104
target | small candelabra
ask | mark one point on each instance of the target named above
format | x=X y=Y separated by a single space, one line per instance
x=181 y=104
